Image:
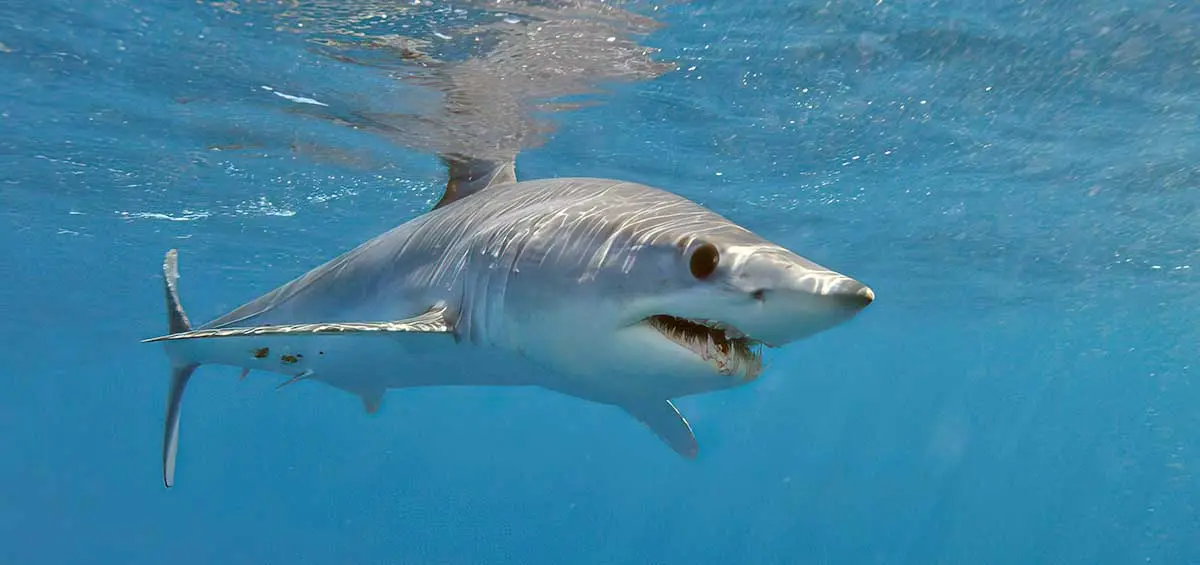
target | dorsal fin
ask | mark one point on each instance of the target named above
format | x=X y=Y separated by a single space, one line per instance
x=470 y=175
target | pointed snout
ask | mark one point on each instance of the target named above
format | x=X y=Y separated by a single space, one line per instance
x=798 y=298
x=795 y=278
x=852 y=294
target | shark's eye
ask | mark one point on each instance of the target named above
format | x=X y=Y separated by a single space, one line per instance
x=704 y=261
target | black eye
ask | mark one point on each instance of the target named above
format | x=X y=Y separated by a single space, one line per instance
x=704 y=261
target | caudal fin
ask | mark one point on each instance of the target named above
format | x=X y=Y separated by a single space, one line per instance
x=179 y=380
x=177 y=322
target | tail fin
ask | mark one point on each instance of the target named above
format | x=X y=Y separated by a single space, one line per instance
x=177 y=321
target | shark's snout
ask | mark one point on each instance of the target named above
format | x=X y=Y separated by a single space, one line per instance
x=852 y=294
x=797 y=298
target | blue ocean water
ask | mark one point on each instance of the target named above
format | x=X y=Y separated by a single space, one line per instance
x=1017 y=181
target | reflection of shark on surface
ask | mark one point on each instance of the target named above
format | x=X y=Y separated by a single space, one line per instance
x=604 y=290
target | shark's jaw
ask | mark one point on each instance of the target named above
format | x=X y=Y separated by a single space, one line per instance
x=725 y=348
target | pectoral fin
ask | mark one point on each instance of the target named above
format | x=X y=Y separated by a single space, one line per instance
x=667 y=423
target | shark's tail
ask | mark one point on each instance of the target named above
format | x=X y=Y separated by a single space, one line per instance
x=177 y=321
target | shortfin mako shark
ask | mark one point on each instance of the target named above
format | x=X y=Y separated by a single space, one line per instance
x=608 y=291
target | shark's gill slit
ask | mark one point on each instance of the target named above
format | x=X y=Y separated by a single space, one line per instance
x=730 y=350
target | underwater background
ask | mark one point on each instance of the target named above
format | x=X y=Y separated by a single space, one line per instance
x=1018 y=181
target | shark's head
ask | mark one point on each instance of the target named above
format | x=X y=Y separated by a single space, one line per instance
x=716 y=302
x=685 y=298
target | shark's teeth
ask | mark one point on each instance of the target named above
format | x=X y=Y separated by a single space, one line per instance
x=728 y=350
x=730 y=331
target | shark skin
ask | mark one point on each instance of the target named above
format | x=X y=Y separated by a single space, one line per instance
x=608 y=291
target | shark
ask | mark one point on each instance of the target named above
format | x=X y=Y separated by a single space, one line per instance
x=608 y=291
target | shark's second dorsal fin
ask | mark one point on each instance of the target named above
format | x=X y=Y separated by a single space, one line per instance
x=469 y=175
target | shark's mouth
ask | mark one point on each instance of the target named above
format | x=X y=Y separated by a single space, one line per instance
x=728 y=350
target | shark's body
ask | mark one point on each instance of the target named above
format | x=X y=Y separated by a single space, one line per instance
x=609 y=291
